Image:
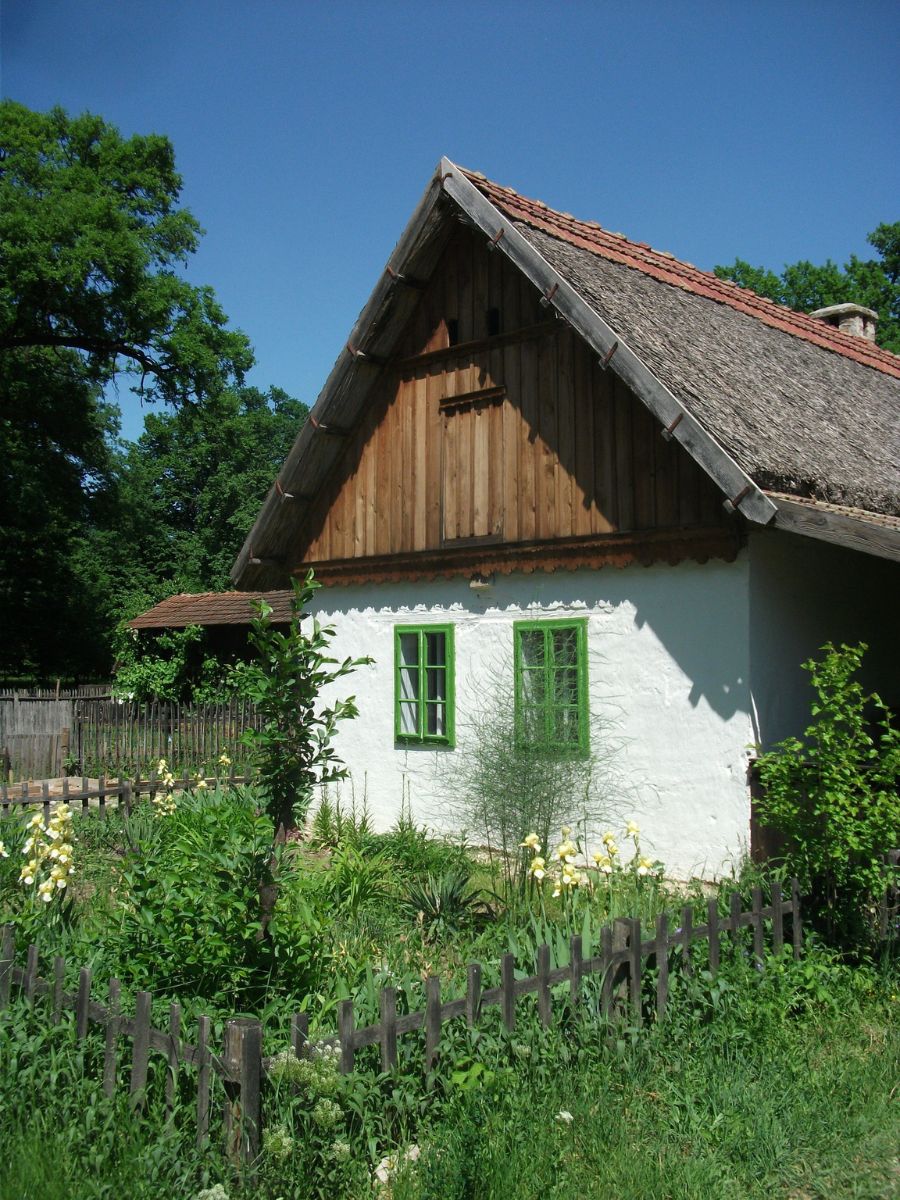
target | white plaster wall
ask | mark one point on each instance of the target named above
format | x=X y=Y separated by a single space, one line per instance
x=803 y=593
x=668 y=674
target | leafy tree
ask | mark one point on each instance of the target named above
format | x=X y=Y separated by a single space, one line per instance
x=293 y=749
x=874 y=283
x=196 y=477
x=92 y=239
x=835 y=796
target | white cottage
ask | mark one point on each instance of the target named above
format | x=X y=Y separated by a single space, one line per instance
x=642 y=493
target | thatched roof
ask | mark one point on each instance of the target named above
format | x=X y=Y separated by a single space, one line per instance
x=803 y=408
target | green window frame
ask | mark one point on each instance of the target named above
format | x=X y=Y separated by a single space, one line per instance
x=551 y=684
x=424 y=671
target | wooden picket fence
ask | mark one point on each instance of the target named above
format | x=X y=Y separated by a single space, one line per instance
x=122 y=792
x=242 y=1066
x=124 y=737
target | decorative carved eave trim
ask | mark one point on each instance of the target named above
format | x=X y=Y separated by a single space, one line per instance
x=564 y=554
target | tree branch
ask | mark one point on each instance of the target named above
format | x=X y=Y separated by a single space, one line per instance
x=100 y=346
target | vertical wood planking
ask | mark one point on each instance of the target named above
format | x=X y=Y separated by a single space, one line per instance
x=565 y=432
x=420 y=463
x=623 y=409
x=113 y=1025
x=529 y=441
x=433 y=451
x=584 y=502
x=548 y=442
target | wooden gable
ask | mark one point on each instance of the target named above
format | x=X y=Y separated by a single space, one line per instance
x=496 y=440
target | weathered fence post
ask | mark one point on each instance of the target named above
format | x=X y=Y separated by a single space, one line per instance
x=777 y=918
x=543 y=990
x=140 y=1050
x=345 y=1036
x=508 y=991
x=387 y=1008
x=113 y=1024
x=201 y=1060
x=575 y=962
x=662 y=965
x=796 y=920
x=243 y=1066
x=473 y=993
x=712 y=920
x=634 y=968
x=7 y=959
x=433 y=1019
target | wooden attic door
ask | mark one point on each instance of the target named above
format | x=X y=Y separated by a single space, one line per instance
x=472 y=467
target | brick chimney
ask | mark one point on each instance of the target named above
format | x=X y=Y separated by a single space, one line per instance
x=851 y=318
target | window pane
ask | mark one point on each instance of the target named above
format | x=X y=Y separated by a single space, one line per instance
x=565 y=689
x=408 y=718
x=409 y=649
x=565 y=723
x=409 y=683
x=436 y=649
x=565 y=647
x=436 y=720
x=531 y=647
x=436 y=683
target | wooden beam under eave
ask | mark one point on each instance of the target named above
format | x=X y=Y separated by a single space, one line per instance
x=855 y=533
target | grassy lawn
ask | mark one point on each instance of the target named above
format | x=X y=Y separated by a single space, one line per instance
x=759 y=1084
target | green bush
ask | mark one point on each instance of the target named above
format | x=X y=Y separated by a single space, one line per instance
x=834 y=795
x=192 y=897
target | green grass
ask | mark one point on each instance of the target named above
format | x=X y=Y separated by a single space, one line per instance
x=772 y=1087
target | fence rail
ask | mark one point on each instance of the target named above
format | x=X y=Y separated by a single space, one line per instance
x=242 y=1066
x=122 y=791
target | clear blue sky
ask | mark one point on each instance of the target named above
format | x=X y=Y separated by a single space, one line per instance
x=306 y=133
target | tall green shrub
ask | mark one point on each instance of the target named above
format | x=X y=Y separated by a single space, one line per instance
x=834 y=795
x=293 y=749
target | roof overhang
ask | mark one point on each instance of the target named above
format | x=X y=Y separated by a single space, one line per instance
x=854 y=528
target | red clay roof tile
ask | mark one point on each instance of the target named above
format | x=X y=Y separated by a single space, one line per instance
x=212 y=608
